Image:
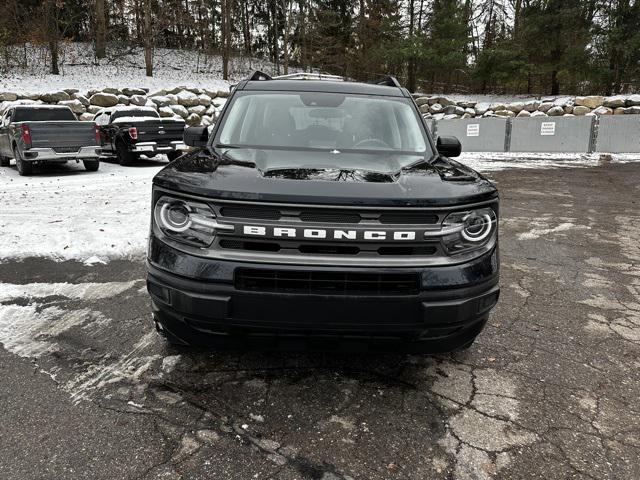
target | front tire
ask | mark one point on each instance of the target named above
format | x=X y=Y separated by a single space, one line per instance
x=125 y=157
x=24 y=168
x=91 y=165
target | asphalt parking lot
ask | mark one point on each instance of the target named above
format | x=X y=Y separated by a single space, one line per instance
x=550 y=390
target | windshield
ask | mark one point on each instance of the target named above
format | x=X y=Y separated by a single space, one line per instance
x=321 y=121
x=42 y=114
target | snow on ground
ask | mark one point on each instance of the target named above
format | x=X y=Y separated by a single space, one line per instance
x=80 y=69
x=66 y=213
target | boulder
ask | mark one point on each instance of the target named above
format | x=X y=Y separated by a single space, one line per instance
x=581 y=110
x=438 y=116
x=158 y=93
x=211 y=111
x=454 y=110
x=123 y=100
x=592 y=101
x=86 y=117
x=420 y=101
x=424 y=108
x=632 y=110
x=468 y=115
x=204 y=99
x=497 y=107
x=615 y=101
x=523 y=113
x=93 y=109
x=481 y=108
x=538 y=113
x=112 y=91
x=193 y=119
x=71 y=91
x=198 y=110
x=633 y=100
x=603 y=111
x=27 y=95
x=504 y=113
x=435 y=108
x=129 y=92
x=55 y=97
x=563 y=101
x=515 y=107
x=165 y=112
x=218 y=102
x=488 y=113
x=211 y=93
x=195 y=90
x=556 y=111
x=161 y=100
x=451 y=116
x=75 y=105
x=568 y=115
x=467 y=104
x=83 y=100
x=187 y=98
x=222 y=93
x=619 y=111
x=103 y=99
x=139 y=100
x=545 y=106
x=470 y=111
x=179 y=110
x=568 y=109
x=206 y=121
x=531 y=105
x=150 y=104
x=176 y=90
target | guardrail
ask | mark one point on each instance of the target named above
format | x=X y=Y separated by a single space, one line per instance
x=610 y=134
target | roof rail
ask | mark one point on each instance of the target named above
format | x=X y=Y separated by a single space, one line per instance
x=310 y=76
x=258 y=75
x=388 y=80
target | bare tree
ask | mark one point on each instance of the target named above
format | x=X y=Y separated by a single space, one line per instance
x=101 y=29
x=147 y=39
x=225 y=6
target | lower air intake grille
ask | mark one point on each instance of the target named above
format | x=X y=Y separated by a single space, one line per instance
x=329 y=283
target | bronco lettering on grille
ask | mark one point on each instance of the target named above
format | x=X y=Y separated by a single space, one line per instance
x=333 y=234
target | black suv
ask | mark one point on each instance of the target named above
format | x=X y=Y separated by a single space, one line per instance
x=322 y=213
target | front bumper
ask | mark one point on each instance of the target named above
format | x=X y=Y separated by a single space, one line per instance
x=197 y=302
x=50 y=155
x=153 y=147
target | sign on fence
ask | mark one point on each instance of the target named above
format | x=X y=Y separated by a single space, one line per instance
x=476 y=134
x=548 y=134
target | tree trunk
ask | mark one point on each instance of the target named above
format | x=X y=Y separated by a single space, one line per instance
x=101 y=29
x=285 y=48
x=225 y=6
x=148 y=39
x=51 y=19
x=411 y=68
x=555 y=83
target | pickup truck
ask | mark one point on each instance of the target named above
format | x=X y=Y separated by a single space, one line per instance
x=38 y=134
x=128 y=132
x=322 y=214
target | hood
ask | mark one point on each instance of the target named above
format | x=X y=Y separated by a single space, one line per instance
x=325 y=177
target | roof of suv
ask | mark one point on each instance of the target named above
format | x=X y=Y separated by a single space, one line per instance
x=276 y=85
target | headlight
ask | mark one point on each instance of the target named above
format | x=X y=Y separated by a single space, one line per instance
x=469 y=230
x=186 y=221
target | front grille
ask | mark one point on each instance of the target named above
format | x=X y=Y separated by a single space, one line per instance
x=329 y=216
x=316 y=248
x=328 y=283
x=66 y=149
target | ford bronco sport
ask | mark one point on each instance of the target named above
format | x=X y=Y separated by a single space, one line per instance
x=322 y=213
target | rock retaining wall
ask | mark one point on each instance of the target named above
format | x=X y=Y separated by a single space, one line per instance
x=197 y=106
x=439 y=107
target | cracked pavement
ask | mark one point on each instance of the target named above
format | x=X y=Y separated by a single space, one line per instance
x=550 y=389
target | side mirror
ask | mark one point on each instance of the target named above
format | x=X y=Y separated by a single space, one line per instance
x=449 y=146
x=196 y=136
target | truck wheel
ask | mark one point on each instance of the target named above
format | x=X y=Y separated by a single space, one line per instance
x=125 y=157
x=91 y=165
x=173 y=155
x=24 y=168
